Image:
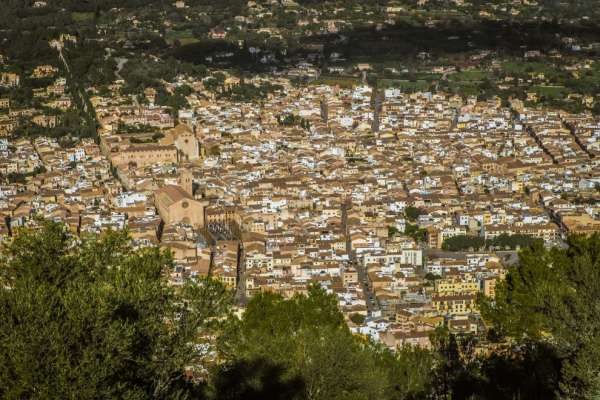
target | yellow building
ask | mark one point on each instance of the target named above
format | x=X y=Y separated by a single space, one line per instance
x=44 y=71
x=144 y=155
x=455 y=304
x=223 y=215
x=9 y=79
x=350 y=276
x=580 y=224
x=489 y=287
x=455 y=286
x=434 y=238
x=227 y=277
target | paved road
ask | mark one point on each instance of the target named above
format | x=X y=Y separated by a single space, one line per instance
x=225 y=232
x=240 y=292
x=370 y=298
x=120 y=64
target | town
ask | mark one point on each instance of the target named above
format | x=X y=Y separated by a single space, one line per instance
x=406 y=206
x=300 y=199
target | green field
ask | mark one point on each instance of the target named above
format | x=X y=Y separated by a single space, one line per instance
x=407 y=86
x=524 y=68
x=464 y=88
x=429 y=77
x=188 y=40
x=184 y=37
x=342 y=81
x=556 y=92
x=468 y=76
x=82 y=16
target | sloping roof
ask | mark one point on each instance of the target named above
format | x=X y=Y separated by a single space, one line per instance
x=172 y=194
x=174 y=133
x=179 y=129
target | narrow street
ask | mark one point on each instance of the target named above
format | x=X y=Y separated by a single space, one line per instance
x=227 y=232
x=240 y=290
x=573 y=132
x=371 y=300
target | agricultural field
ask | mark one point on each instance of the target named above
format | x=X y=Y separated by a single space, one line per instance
x=182 y=36
x=82 y=16
x=405 y=85
x=468 y=76
x=341 y=81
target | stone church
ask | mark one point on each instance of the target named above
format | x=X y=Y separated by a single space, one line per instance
x=184 y=140
x=176 y=205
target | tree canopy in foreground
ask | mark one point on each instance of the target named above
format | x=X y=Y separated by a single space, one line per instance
x=551 y=299
x=93 y=318
x=97 y=320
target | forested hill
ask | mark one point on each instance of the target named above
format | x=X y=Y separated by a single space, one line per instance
x=159 y=26
x=58 y=15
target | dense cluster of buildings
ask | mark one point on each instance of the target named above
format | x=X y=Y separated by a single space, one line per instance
x=50 y=99
x=263 y=202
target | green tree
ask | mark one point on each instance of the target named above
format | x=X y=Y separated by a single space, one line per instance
x=551 y=298
x=456 y=366
x=513 y=241
x=96 y=319
x=256 y=379
x=412 y=213
x=408 y=372
x=307 y=336
x=358 y=319
x=463 y=242
x=418 y=234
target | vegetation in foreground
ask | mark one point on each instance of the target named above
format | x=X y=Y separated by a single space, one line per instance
x=96 y=319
